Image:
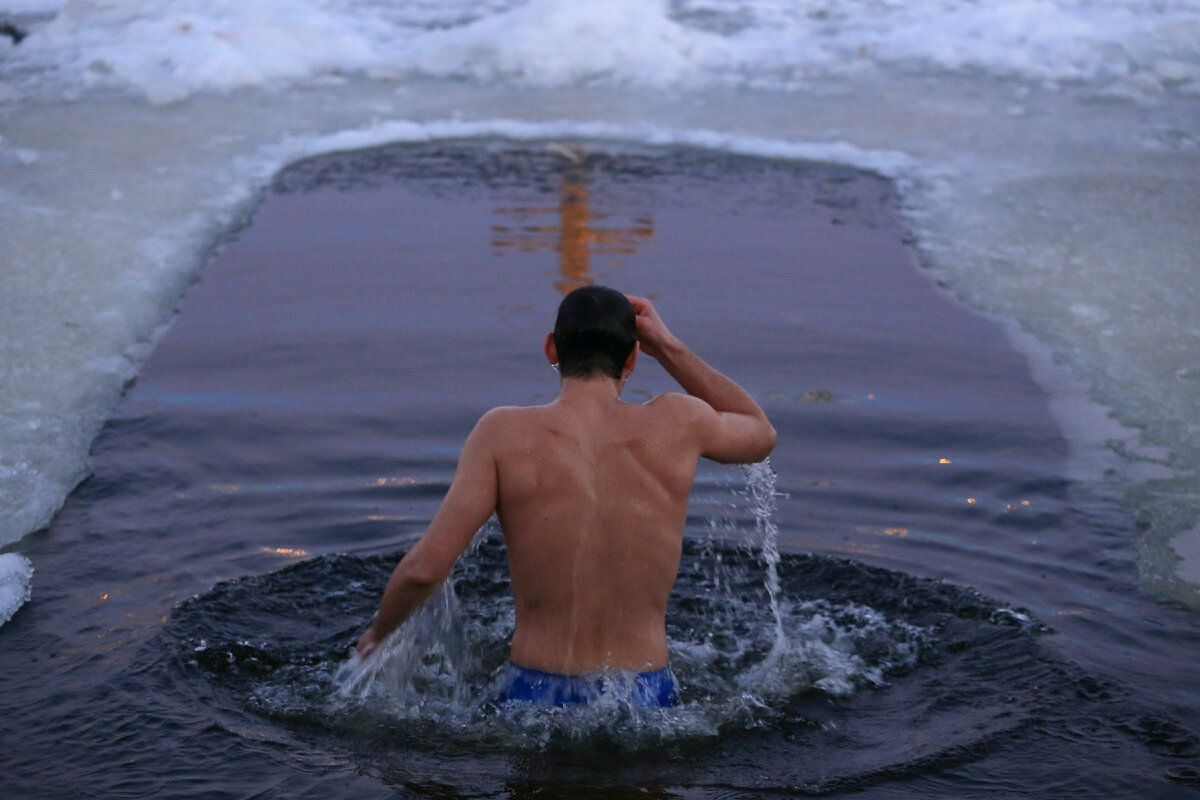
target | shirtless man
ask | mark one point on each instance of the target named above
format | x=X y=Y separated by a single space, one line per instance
x=591 y=493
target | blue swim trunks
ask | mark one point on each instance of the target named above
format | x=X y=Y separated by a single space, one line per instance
x=643 y=689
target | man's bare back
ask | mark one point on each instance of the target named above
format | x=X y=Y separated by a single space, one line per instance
x=593 y=497
x=591 y=493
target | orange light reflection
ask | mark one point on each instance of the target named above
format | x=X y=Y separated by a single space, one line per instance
x=573 y=235
x=286 y=551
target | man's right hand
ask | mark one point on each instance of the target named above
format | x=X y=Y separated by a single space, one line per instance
x=653 y=335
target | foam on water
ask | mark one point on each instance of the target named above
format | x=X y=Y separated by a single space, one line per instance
x=1047 y=152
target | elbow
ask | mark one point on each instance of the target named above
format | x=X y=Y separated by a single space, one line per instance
x=751 y=444
x=753 y=449
x=420 y=575
x=766 y=443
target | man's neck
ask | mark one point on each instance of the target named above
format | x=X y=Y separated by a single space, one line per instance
x=592 y=388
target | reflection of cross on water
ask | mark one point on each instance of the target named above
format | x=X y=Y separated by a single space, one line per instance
x=573 y=236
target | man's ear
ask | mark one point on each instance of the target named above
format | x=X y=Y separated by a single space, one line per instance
x=551 y=348
x=633 y=354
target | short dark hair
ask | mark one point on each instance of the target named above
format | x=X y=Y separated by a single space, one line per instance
x=595 y=330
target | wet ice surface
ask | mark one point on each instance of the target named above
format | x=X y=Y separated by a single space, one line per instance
x=15 y=575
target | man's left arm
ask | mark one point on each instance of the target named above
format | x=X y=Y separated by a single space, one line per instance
x=465 y=508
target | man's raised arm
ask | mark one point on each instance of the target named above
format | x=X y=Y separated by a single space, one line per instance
x=737 y=430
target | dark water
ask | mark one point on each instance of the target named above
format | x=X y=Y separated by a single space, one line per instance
x=952 y=616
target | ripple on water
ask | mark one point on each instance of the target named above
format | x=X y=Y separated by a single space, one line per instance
x=828 y=695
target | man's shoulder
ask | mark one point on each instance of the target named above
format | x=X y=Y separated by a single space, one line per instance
x=504 y=420
x=682 y=412
x=678 y=403
x=503 y=416
x=502 y=412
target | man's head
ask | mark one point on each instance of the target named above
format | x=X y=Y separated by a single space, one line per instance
x=595 y=332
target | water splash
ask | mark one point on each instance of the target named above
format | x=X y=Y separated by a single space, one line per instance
x=426 y=660
x=760 y=488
